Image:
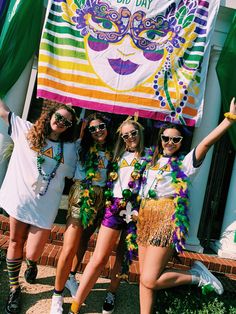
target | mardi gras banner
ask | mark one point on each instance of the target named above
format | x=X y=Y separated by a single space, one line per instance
x=124 y=56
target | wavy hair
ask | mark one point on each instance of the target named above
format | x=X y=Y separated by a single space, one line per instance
x=120 y=145
x=41 y=129
x=87 y=139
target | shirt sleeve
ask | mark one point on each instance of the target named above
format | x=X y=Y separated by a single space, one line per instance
x=17 y=125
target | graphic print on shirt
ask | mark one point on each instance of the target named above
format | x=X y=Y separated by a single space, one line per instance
x=50 y=152
x=124 y=163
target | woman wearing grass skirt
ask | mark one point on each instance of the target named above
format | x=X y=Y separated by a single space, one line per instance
x=163 y=221
x=44 y=154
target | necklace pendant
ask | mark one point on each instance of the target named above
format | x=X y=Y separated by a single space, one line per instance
x=152 y=193
x=39 y=185
x=159 y=177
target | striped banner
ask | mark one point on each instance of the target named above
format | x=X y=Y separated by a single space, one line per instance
x=126 y=56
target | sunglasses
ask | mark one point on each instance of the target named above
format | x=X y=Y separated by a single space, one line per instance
x=62 y=120
x=173 y=139
x=126 y=136
x=99 y=127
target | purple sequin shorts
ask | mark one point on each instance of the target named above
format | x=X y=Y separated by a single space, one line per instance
x=112 y=218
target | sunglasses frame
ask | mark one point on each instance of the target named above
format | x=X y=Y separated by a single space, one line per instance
x=126 y=136
x=62 y=120
x=97 y=127
x=171 y=138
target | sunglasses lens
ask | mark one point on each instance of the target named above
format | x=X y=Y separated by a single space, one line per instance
x=102 y=126
x=176 y=139
x=60 y=119
x=92 y=129
x=165 y=139
x=134 y=133
x=125 y=137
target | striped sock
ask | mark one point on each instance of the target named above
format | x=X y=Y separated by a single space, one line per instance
x=13 y=268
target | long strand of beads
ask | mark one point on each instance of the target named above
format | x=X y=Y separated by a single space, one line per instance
x=47 y=177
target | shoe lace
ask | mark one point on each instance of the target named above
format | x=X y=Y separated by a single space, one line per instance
x=110 y=298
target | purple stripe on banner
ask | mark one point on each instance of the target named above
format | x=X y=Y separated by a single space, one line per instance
x=200 y=31
x=202 y=12
x=203 y=4
x=200 y=21
x=93 y=105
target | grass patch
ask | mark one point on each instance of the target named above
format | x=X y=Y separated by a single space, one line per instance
x=190 y=300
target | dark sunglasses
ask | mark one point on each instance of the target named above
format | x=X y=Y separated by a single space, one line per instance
x=62 y=120
x=126 y=136
x=173 y=139
x=99 y=127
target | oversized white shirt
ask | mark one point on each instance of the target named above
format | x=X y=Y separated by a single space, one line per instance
x=18 y=196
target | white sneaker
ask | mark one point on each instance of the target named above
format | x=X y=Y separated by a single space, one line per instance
x=207 y=278
x=56 y=306
x=72 y=285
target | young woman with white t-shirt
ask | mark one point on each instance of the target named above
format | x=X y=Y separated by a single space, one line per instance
x=163 y=221
x=44 y=154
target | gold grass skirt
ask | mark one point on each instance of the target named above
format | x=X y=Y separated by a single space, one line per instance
x=155 y=226
x=74 y=198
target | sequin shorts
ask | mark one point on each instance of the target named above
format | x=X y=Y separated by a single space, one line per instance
x=73 y=202
x=155 y=225
x=114 y=220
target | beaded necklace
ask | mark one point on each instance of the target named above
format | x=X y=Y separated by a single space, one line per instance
x=42 y=184
x=87 y=193
x=128 y=205
x=180 y=182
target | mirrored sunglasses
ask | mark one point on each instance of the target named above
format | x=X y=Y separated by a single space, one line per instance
x=99 y=127
x=126 y=136
x=173 y=139
x=62 y=120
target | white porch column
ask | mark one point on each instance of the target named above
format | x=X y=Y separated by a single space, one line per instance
x=209 y=121
x=226 y=246
x=15 y=99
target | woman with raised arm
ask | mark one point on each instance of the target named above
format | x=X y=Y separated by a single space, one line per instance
x=163 y=221
x=44 y=154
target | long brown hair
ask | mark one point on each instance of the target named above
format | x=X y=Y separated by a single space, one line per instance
x=41 y=129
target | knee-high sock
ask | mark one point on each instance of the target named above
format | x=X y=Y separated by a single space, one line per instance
x=13 y=268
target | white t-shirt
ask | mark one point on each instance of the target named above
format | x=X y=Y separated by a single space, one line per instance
x=18 y=196
x=159 y=176
x=126 y=166
x=101 y=176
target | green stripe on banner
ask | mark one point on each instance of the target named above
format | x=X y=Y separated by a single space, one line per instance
x=64 y=41
x=62 y=29
x=62 y=52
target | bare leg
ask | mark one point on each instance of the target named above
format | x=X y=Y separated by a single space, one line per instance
x=153 y=275
x=71 y=242
x=115 y=280
x=86 y=235
x=107 y=238
x=37 y=238
x=18 y=236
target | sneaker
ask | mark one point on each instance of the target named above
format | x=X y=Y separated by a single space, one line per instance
x=13 y=301
x=31 y=273
x=72 y=285
x=207 y=279
x=56 y=306
x=109 y=303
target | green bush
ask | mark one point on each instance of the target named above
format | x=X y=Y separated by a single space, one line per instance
x=190 y=300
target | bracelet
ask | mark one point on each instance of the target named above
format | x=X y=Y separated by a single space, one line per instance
x=230 y=116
